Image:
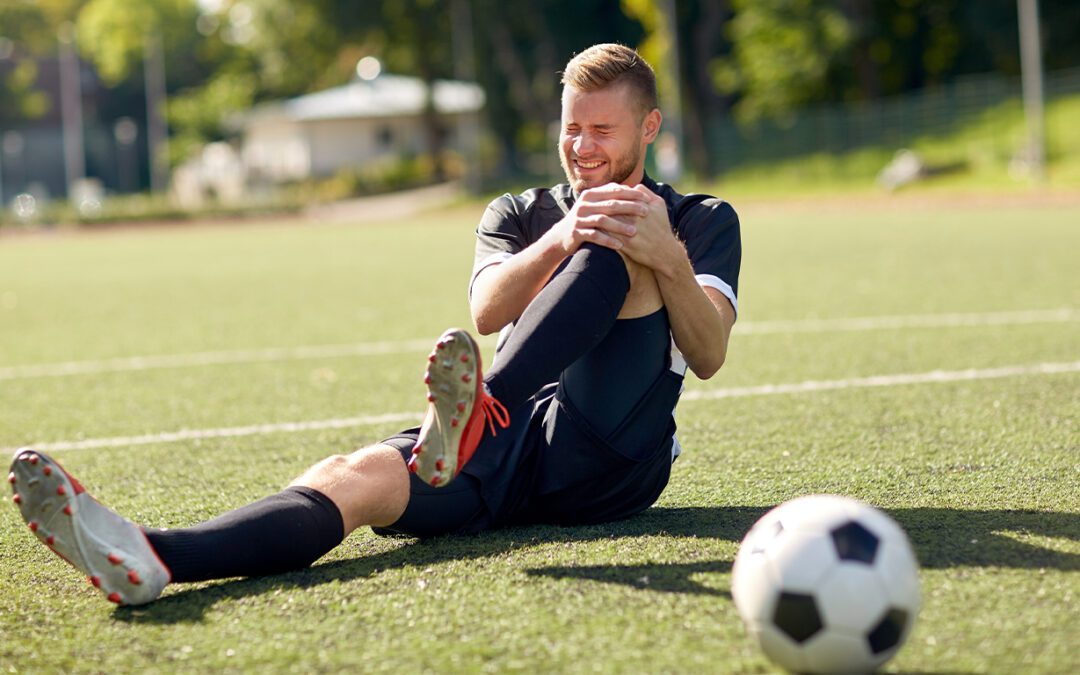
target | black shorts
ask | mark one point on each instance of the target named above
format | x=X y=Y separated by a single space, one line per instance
x=553 y=464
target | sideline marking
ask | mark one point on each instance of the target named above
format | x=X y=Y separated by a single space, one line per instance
x=272 y=354
x=932 y=377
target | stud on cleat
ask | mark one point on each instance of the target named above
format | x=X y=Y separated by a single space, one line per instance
x=17 y=498
x=459 y=409
x=11 y=478
x=109 y=550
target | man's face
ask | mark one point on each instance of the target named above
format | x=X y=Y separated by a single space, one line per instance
x=603 y=137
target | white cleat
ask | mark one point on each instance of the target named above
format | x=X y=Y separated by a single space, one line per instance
x=111 y=551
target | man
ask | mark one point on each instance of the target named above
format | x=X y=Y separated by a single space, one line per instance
x=605 y=289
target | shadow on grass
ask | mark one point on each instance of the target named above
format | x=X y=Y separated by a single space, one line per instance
x=942 y=538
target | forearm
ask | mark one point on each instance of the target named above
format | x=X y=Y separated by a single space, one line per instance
x=501 y=292
x=701 y=319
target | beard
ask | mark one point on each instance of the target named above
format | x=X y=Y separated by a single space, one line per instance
x=618 y=169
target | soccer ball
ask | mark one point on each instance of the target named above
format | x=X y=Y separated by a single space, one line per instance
x=827 y=584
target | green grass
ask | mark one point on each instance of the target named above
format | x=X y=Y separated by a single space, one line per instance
x=984 y=475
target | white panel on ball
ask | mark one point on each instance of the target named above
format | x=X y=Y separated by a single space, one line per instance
x=752 y=586
x=852 y=597
x=899 y=573
x=779 y=647
x=801 y=560
x=837 y=652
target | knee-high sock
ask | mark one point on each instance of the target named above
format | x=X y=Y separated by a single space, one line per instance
x=565 y=320
x=283 y=532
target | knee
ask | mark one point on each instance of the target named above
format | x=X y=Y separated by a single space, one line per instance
x=594 y=258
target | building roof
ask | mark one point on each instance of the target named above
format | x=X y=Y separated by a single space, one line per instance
x=383 y=96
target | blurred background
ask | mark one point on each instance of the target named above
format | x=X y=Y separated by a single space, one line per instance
x=155 y=109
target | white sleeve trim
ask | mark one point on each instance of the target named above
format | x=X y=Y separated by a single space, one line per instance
x=713 y=281
x=493 y=259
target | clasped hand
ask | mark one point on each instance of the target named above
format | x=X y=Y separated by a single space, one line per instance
x=633 y=221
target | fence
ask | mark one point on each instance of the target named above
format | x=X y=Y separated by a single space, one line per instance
x=889 y=123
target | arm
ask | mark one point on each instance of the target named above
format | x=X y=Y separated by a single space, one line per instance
x=701 y=318
x=501 y=292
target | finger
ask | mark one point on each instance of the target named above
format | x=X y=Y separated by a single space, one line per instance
x=615 y=207
x=612 y=191
x=607 y=223
x=645 y=192
x=601 y=238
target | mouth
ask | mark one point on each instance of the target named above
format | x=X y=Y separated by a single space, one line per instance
x=588 y=165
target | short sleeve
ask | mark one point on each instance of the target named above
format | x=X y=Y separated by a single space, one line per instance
x=499 y=235
x=709 y=228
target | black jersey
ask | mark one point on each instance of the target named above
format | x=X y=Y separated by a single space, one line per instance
x=708 y=227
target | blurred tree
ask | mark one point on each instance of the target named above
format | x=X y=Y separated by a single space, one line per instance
x=781 y=55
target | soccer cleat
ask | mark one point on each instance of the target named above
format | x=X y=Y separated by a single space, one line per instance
x=111 y=551
x=458 y=410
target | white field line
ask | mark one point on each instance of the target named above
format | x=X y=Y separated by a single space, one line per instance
x=277 y=354
x=932 y=377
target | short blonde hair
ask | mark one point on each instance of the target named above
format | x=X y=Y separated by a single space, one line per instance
x=606 y=65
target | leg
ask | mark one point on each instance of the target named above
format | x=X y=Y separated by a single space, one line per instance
x=369 y=487
x=294 y=528
x=568 y=318
x=283 y=532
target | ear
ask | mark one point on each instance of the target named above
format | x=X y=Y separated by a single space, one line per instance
x=651 y=126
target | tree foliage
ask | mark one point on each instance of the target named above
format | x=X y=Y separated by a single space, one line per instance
x=756 y=58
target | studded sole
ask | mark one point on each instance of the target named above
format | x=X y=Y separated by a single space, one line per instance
x=77 y=528
x=453 y=380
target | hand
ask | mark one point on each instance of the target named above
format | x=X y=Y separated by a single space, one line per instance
x=654 y=244
x=605 y=215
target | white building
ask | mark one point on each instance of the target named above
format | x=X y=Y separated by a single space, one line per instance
x=318 y=134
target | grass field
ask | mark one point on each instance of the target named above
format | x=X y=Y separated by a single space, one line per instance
x=284 y=323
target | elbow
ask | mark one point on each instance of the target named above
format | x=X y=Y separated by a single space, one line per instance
x=484 y=322
x=707 y=368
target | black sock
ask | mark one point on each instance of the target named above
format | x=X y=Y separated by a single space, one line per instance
x=283 y=532
x=565 y=320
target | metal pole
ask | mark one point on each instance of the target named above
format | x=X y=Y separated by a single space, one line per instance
x=465 y=69
x=157 y=132
x=71 y=110
x=1032 y=85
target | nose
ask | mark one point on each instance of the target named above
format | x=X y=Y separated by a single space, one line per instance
x=583 y=144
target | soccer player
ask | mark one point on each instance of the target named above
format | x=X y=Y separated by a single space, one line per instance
x=605 y=289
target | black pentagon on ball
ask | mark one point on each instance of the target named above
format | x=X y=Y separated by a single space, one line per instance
x=797 y=615
x=855 y=542
x=886 y=634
